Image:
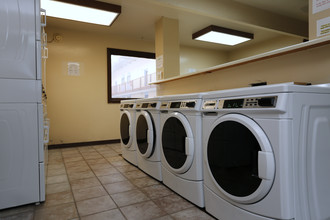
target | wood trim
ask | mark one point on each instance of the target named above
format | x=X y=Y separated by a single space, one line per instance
x=222 y=30
x=110 y=100
x=94 y=4
x=80 y=144
x=131 y=53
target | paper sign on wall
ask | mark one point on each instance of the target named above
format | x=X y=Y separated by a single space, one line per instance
x=159 y=62
x=73 y=69
x=323 y=27
x=159 y=67
x=320 y=5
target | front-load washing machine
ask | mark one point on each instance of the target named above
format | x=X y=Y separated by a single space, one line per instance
x=181 y=146
x=147 y=136
x=266 y=152
x=127 y=125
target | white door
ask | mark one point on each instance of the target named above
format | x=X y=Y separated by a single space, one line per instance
x=17 y=39
x=145 y=134
x=126 y=129
x=240 y=159
x=19 y=165
x=314 y=157
x=177 y=143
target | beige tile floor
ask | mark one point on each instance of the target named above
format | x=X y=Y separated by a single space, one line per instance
x=96 y=183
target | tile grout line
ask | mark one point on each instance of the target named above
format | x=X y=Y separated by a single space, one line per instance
x=130 y=180
x=74 y=200
x=141 y=189
x=103 y=185
x=117 y=207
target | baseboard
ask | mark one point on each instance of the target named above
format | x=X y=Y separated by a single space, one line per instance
x=81 y=144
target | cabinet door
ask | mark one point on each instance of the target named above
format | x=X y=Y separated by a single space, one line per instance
x=19 y=165
x=17 y=39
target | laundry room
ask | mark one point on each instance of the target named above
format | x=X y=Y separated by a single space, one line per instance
x=139 y=141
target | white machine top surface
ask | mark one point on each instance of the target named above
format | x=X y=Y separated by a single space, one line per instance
x=182 y=96
x=128 y=101
x=267 y=89
x=154 y=99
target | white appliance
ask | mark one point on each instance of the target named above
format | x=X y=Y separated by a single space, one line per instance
x=181 y=146
x=127 y=126
x=22 y=178
x=147 y=136
x=266 y=152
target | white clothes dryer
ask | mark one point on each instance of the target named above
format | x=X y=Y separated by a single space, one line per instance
x=22 y=176
x=181 y=146
x=147 y=136
x=266 y=152
x=127 y=125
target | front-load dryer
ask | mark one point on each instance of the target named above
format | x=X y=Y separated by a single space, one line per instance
x=127 y=125
x=266 y=153
x=147 y=136
x=181 y=146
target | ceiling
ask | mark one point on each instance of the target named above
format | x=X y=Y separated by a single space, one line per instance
x=297 y=9
x=266 y=19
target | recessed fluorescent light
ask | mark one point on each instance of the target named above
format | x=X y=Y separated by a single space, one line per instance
x=88 y=11
x=222 y=35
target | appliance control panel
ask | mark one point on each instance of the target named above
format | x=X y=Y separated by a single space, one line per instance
x=254 y=102
x=146 y=105
x=183 y=104
x=188 y=104
x=126 y=105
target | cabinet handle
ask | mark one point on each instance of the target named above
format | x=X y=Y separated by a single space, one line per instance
x=45 y=53
x=44 y=40
x=43 y=17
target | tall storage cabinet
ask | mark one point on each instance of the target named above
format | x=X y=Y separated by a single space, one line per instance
x=22 y=178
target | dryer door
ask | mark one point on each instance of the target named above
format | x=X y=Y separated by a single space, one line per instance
x=240 y=158
x=126 y=129
x=145 y=134
x=177 y=143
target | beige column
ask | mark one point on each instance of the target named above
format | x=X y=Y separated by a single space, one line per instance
x=318 y=14
x=167 y=48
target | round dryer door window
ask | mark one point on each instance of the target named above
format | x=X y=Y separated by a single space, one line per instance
x=177 y=143
x=145 y=134
x=125 y=128
x=240 y=158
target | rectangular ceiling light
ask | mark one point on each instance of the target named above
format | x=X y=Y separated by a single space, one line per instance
x=221 y=35
x=89 y=11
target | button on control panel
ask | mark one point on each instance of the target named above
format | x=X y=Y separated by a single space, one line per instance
x=164 y=105
x=209 y=104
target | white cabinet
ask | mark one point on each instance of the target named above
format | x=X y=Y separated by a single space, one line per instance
x=22 y=179
x=19 y=164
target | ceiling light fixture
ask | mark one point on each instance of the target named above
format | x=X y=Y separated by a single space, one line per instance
x=221 y=35
x=89 y=11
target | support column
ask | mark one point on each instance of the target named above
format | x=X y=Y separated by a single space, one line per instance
x=167 y=48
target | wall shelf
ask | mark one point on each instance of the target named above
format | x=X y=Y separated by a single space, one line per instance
x=268 y=55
